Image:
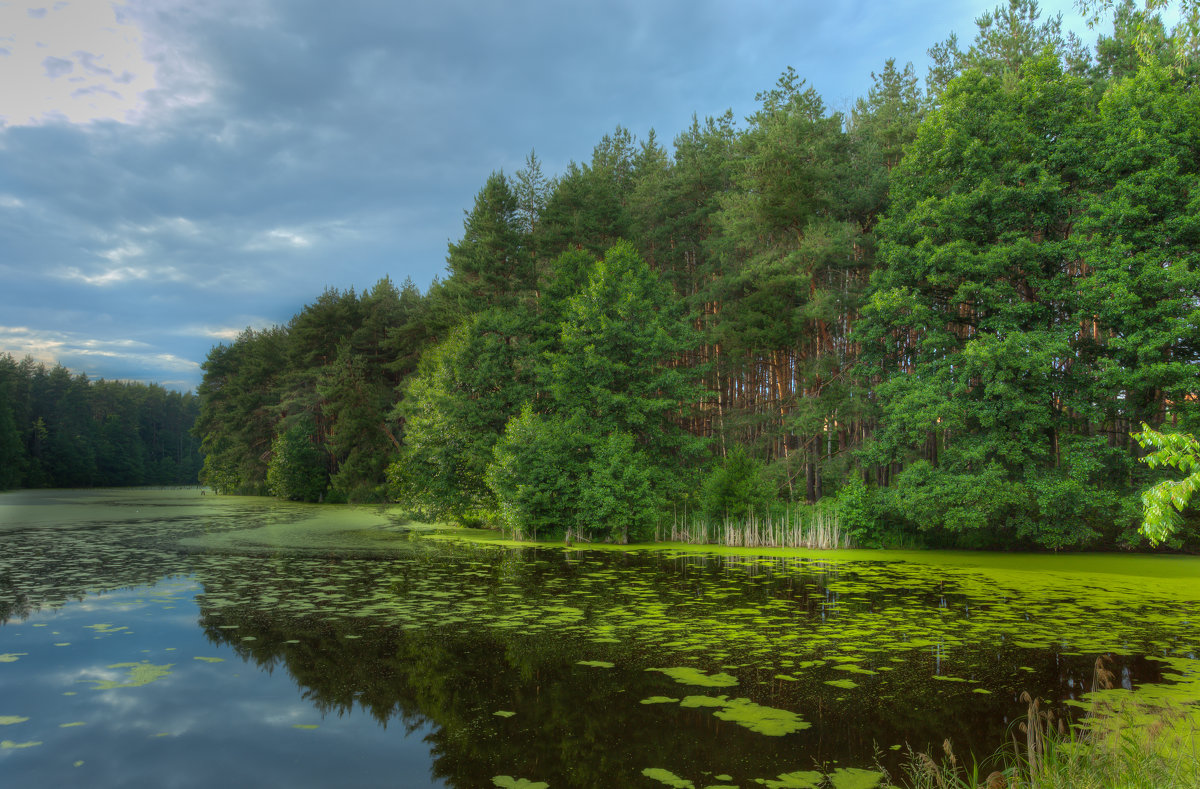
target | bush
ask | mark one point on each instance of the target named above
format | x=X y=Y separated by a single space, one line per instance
x=736 y=488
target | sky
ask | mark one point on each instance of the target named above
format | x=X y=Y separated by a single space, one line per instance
x=175 y=171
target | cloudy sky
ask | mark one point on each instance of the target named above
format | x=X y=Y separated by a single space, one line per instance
x=173 y=171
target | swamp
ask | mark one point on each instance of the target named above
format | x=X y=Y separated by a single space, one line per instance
x=147 y=634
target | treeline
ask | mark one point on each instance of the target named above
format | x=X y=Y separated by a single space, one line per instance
x=59 y=430
x=944 y=311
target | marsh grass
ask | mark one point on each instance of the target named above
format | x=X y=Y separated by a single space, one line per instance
x=796 y=526
x=1116 y=746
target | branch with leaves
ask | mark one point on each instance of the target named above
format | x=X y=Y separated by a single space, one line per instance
x=1162 y=504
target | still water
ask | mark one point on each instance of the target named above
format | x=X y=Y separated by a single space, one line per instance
x=155 y=638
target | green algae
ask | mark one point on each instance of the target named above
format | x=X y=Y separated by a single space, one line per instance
x=504 y=713
x=210 y=659
x=845 y=684
x=667 y=778
x=770 y=721
x=508 y=782
x=72 y=724
x=658 y=700
x=306 y=726
x=595 y=663
x=802 y=779
x=689 y=675
x=12 y=657
x=137 y=675
x=10 y=745
x=855 y=778
x=9 y=720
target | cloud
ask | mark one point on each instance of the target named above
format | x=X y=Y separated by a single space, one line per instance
x=236 y=157
x=99 y=358
x=45 y=45
x=57 y=67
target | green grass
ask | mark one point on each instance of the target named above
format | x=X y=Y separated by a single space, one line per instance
x=1127 y=748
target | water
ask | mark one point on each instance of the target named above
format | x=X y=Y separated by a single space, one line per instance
x=164 y=637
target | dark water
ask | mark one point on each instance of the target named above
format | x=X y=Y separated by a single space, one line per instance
x=303 y=646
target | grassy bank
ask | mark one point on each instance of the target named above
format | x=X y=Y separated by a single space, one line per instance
x=1120 y=743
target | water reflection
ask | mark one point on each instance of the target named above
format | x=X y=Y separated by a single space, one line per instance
x=447 y=665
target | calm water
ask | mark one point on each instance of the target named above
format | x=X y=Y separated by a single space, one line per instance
x=165 y=638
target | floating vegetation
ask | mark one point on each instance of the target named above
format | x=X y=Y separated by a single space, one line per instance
x=689 y=675
x=137 y=675
x=451 y=631
x=755 y=717
x=667 y=778
x=9 y=720
x=305 y=726
x=508 y=782
x=10 y=745
x=802 y=779
x=72 y=724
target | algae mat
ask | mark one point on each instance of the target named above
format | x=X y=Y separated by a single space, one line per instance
x=331 y=645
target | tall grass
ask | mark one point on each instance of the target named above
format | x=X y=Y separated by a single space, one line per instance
x=1128 y=746
x=796 y=526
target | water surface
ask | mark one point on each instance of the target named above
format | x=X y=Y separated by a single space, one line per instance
x=154 y=637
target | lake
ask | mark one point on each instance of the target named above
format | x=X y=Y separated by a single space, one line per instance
x=165 y=637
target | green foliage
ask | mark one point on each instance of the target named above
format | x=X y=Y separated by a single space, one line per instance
x=857 y=514
x=1163 y=502
x=596 y=455
x=536 y=473
x=60 y=430
x=736 y=488
x=296 y=471
x=455 y=408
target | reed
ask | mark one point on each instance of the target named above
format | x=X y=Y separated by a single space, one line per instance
x=1113 y=747
x=795 y=526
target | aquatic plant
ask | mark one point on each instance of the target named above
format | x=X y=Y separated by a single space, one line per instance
x=1124 y=745
x=797 y=526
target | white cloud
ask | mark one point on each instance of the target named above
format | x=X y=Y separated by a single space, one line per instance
x=78 y=352
x=107 y=277
x=279 y=238
x=85 y=61
x=223 y=333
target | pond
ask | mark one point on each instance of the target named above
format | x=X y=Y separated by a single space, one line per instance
x=152 y=637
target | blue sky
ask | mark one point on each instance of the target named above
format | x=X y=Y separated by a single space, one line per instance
x=173 y=171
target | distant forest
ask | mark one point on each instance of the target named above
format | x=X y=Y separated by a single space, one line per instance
x=59 y=430
x=939 y=315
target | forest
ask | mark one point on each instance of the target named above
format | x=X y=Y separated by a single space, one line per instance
x=59 y=430
x=938 y=316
